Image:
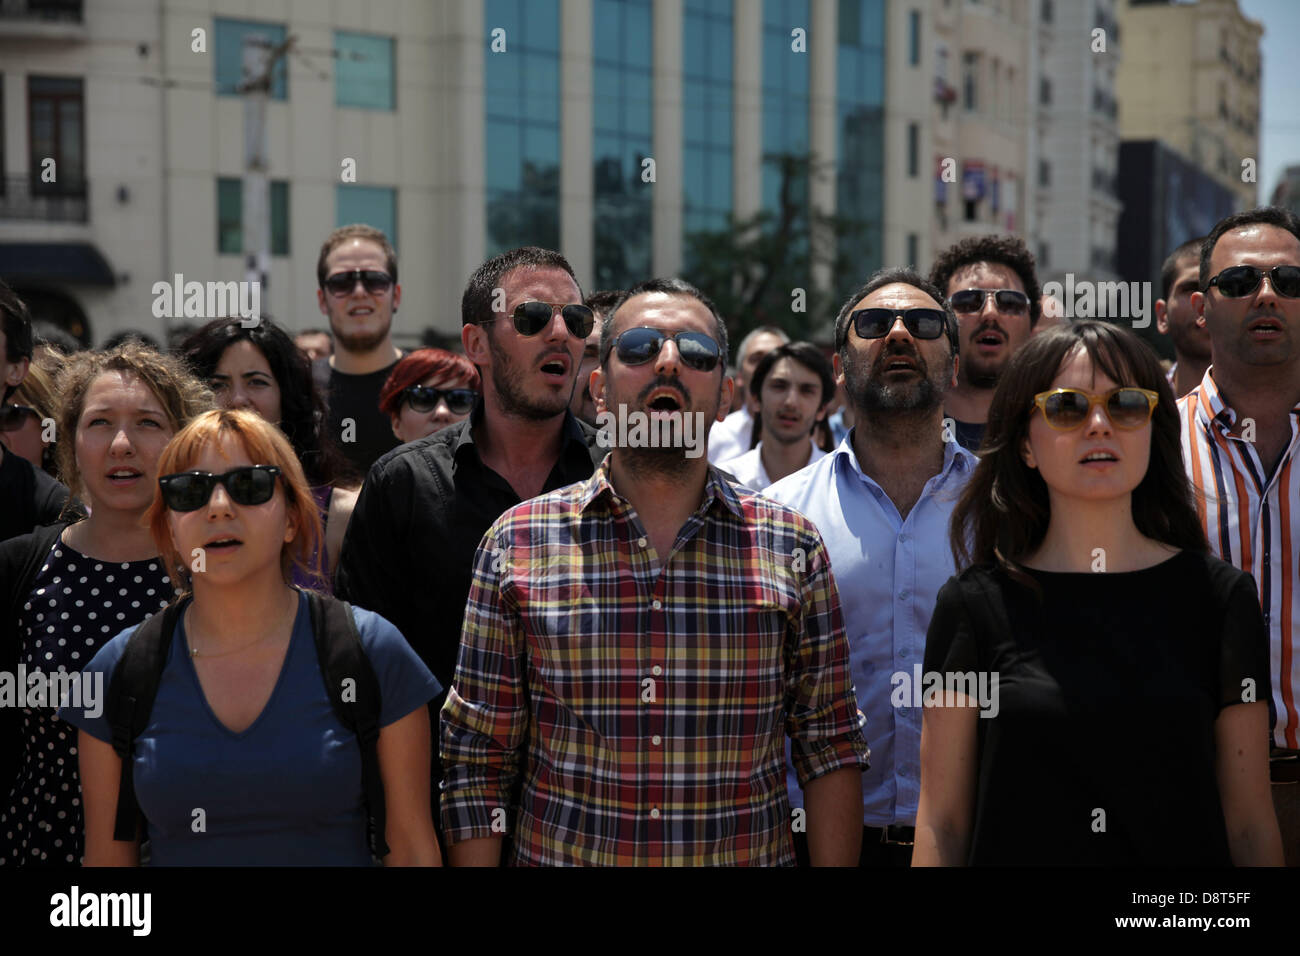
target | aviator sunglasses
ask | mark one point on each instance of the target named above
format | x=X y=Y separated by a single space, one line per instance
x=424 y=398
x=342 y=283
x=640 y=345
x=1127 y=407
x=13 y=416
x=1238 y=281
x=191 y=490
x=1008 y=301
x=533 y=317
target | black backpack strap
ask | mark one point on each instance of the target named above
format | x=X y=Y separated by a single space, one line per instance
x=131 y=693
x=355 y=696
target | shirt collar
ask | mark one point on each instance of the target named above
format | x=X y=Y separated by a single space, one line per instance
x=1210 y=406
x=955 y=459
x=716 y=488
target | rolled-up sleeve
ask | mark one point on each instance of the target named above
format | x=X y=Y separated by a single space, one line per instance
x=823 y=720
x=485 y=717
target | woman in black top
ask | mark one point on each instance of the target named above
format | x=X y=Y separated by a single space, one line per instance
x=1119 y=663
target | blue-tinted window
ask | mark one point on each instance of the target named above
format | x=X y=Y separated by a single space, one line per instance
x=228 y=41
x=707 y=34
x=785 y=89
x=860 y=134
x=230 y=217
x=364 y=71
x=914 y=38
x=372 y=205
x=622 y=134
x=522 y=100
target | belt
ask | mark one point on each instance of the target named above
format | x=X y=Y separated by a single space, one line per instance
x=894 y=835
x=1285 y=768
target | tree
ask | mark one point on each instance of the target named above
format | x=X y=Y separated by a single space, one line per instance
x=778 y=267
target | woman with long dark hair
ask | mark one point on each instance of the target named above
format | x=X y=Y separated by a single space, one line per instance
x=1115 y=661
x=259 y=368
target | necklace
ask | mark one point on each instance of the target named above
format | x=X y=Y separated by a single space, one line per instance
x=194 y=651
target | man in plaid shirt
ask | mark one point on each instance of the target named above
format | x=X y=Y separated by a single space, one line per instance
x=637 y=646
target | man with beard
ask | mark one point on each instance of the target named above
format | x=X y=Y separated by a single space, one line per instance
x=1175 y=317
x=356 y=276
x=882 y=502
x=409 y=549
x=637 y=646
x=991 y=285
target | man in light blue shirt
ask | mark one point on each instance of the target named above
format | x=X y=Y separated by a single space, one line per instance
x=882 y=501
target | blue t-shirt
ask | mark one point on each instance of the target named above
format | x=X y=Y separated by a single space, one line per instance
x=286 y=791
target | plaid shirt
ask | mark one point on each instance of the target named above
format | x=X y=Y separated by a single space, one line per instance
x=645 y=705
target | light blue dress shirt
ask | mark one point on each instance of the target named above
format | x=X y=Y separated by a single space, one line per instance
x=888 y=571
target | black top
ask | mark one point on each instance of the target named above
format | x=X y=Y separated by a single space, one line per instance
x=970 y=435
x=28 y=496
x=1102 y=749
x=409 y=550
x=356 y=397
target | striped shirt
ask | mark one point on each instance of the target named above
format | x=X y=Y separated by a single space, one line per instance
x=645 y=700
x=1250 y=518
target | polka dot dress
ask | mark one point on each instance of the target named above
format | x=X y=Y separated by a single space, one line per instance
x=77 y=605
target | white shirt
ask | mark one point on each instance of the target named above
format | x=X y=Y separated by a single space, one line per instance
x=749 y=470
x=730 y=437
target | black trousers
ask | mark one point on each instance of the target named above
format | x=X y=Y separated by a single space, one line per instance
x=874 y=853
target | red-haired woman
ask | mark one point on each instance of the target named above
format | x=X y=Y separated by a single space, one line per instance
x=428 y=390
x=243 y=725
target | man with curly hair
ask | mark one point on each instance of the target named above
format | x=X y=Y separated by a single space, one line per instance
x=991 y=284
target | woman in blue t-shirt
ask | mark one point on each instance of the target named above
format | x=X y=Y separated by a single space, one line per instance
x=243 y=761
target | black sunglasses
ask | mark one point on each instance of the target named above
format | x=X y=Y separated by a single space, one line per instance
x=640 y=345
x=342 y=283
x=424 y=398
x=876 y=323
x=1238 y=281
x=533 y=317
x=12 y=416
x=1007 y=301
x=191 y=490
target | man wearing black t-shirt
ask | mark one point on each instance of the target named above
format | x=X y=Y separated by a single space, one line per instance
x=356 y=276
x=28 y=496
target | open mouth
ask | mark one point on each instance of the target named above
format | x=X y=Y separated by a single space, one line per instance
x=989 y=340
x=1098 y=457
x=899 y=364
x=124 y=476
x=223 y=544
x=1266 y=327
x=558 y=367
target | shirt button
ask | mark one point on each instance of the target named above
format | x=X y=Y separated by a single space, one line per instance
x=656 y=670
x=641 y=542
x=905 y=652
x=654 y=814
x=903 y=538
x=902 y=712
x=903 y=595
x=656 y=740
x=657 y=605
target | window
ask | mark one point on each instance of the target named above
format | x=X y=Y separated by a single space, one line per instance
x=230 y=217
x=914 y=38
x=913 y=249
x=55 y=111
x=363 y=72
x=970 y=64
x=1045 y=91
x=913 y=150
x=1044 y=173
x=373 y=205
x=229 y=61
x=707 y=32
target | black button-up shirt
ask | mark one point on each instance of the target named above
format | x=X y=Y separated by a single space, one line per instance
x=409 y=550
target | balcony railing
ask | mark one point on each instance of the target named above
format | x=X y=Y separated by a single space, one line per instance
x=21 y=198
x=68 y=11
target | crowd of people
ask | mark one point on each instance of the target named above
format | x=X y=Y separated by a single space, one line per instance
x=981 y=587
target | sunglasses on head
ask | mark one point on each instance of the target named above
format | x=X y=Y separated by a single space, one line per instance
x=1127 y=407
x=1007 y=301
x=876 y=323
x=13 y=416
x=1238 y=281
x=342 y=283
x=424 y=398
x=640 y=345
x=533 y=317
x=191 y=490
